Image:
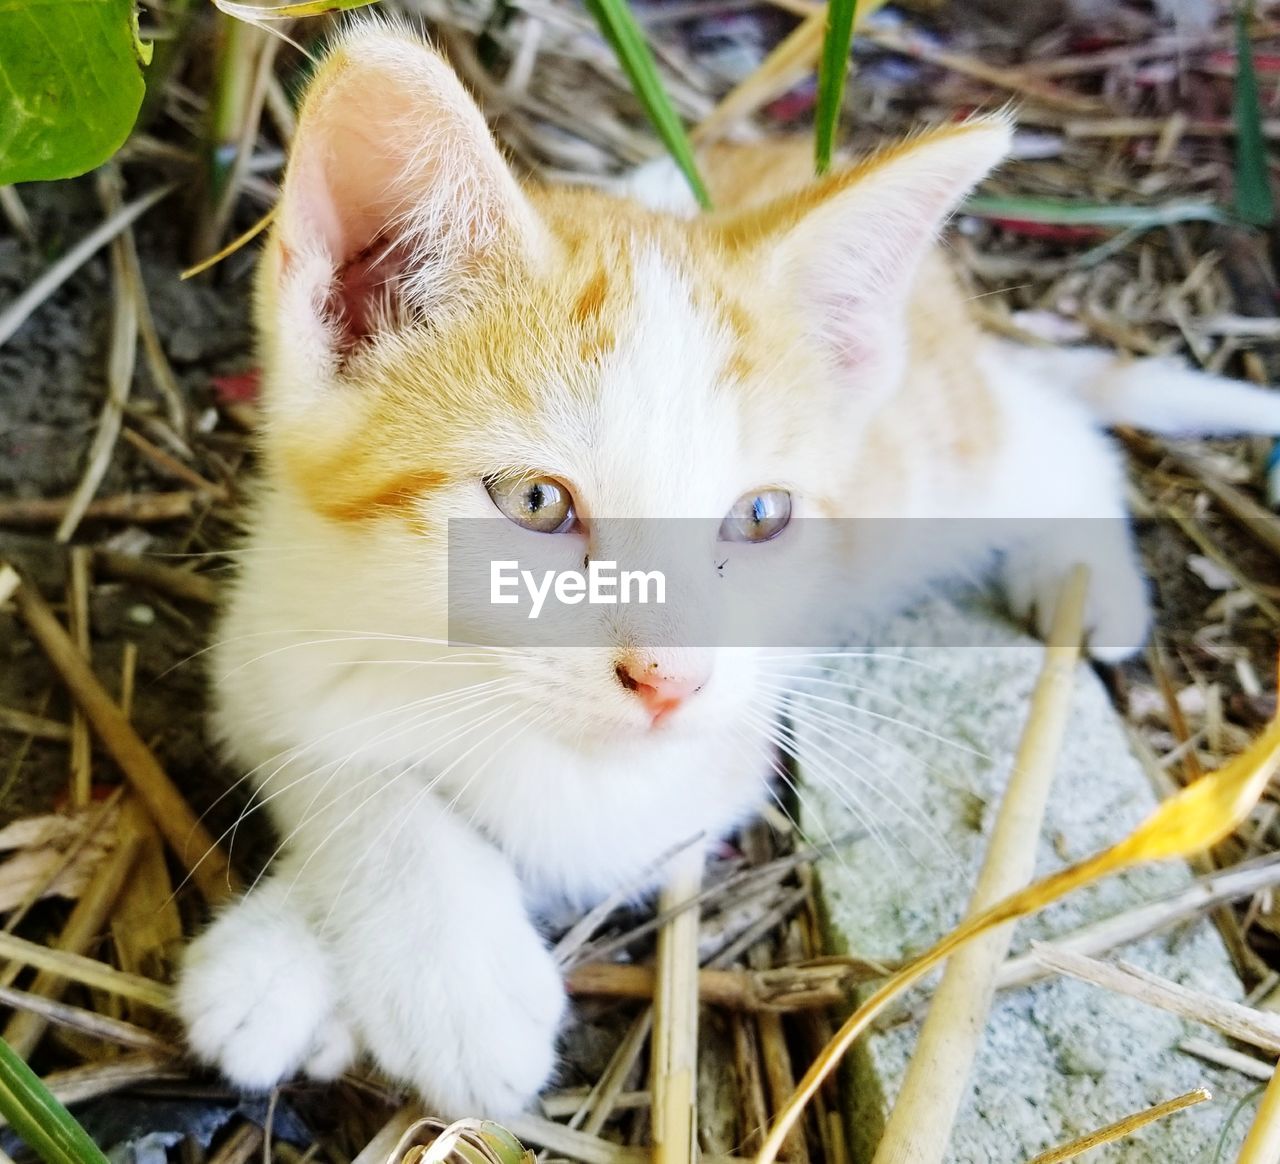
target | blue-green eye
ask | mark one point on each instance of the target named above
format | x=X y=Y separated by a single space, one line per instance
x=541 y=504
x=757 y=516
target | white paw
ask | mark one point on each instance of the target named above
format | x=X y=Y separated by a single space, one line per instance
x=256 y=997
x=332 y=1052
x=471 y=1020
x=1117 y=609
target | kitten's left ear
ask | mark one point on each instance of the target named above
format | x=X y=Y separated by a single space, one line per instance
x=396 y=199
x=850 y=246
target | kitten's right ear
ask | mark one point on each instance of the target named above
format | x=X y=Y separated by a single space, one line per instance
x=395 y=203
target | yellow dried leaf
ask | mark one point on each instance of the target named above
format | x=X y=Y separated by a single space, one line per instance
x=1208 y=810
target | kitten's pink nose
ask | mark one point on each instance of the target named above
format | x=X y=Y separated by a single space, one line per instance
x=657 y=687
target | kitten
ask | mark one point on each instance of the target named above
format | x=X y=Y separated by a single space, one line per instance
x=440 y=342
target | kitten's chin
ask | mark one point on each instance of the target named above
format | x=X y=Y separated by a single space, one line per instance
x=639 y=731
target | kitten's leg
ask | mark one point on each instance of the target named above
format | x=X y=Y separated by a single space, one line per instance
x=445 y=979
x=257 y=995
x=1117 y=612
x=1061 y=481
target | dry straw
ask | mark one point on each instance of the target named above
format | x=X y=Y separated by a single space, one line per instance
x=190 y=841
x=674 y=1063
x=919 y=1128
x=1121 y=1128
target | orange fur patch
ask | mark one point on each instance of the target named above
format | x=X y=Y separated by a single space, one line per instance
x=590 y=301
x=343 y=500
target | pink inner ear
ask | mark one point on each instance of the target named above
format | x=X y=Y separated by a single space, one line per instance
x=345 y=194
x=366 y=293
x=394 y=188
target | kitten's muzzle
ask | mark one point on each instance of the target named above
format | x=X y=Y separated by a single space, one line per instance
x=660 y=689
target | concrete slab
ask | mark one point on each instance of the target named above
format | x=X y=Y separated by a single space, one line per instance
x=913 y=748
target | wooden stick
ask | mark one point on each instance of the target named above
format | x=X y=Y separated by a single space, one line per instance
x=1259 y=1028
x=16 y=213
x=24 y=723
x=1260 y=522
x=674 y=1064
x=178 y=583
x=101 y=1026
x=564 y=1105
x=241 y=1146
x=562 y=1141
x=172 y=467
x=753 y=1105
x=1153 y=126
x=9 y=582
x=128 y=677
x=81 y=755
x=15 y=314
x=84 y=926
x=145 y=926
x=88 y=971
x=1122 y=1128
x=778 y=989
x=139 y=508
x=775 y=1058
x=190 y=841
x=1151 y=917
x=1262 y=1144
x=602 y=1099
x=919 y=1126
x=1015 y=80
x=1222 y=1056
x=122 y=358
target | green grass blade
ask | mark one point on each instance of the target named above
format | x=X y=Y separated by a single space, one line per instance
x=833 y=70
x=623 y=33
x=45 y=1126
x=1254 y=203
x=1117 y=217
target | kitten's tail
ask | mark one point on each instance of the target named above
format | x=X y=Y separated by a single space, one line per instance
x=1157 y=395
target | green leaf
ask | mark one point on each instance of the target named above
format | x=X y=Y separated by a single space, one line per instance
x=70 y=85
x=833 y=69
x=44 y=1125
x=1254 y=203
x=623 y=33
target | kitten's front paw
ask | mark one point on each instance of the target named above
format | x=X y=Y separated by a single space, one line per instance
x=1117 y=610
x=256 y=998
x=488 y=1006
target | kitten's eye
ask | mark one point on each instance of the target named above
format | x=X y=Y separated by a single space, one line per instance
x=757 y=517
x=541 y=504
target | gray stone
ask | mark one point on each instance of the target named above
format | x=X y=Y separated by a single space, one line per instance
x=911 y=747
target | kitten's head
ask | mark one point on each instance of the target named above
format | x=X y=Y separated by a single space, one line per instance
x=440 y=342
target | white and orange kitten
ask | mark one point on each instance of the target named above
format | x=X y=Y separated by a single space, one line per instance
x=441 y=341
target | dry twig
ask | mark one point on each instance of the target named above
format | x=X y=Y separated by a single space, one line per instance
x=919 y=1127
x=674 y=1066
x=190 y=841
x=1256 y=1027
x=1121 y=1128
